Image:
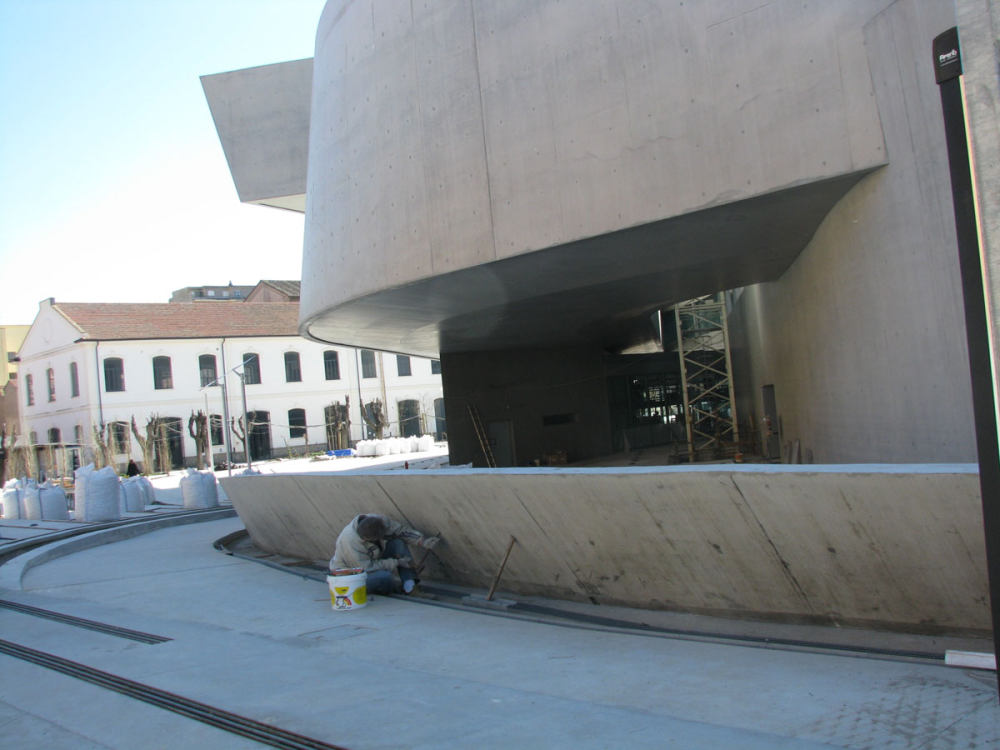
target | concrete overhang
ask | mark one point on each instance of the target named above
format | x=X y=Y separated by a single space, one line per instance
x=262 y=117
x=598 y=291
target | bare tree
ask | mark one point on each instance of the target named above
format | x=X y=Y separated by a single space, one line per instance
x=6 y=451
x=240 y=431
x=338 y=424
x=144 y=445
x=155 y=445
x=102 y=456
x=163 y=444
x=374 y=416
x=198 y=429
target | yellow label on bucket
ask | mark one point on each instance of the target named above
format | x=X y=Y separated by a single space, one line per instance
x=342 y=598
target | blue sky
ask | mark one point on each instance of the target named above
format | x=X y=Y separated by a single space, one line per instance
x=113 y=184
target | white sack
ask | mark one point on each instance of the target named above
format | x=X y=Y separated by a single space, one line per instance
x=98 y=494
x=199 y=490
x=31 y=506
x=12 y=500
x=135 y=496
x=52 y=499
x=146 y=487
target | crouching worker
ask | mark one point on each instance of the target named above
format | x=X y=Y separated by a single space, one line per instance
x=379 y=545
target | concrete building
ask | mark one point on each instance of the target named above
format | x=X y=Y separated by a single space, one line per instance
x=90 y=365
x=525 y=189
x=520 y=188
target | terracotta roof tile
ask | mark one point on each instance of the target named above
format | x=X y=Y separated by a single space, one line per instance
x=100 y=321
x=290 y=288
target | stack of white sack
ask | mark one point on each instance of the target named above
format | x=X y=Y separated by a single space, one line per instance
x=45 y=502
x=391 y=446
x=98 y=494
x=137 y=493
x=24 y=499
x=199 y=490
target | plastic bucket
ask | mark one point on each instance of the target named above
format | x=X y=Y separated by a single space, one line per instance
x=348 y=589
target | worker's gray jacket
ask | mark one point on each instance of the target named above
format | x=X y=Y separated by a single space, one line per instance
x=354 y=552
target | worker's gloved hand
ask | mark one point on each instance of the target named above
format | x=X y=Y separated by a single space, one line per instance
x=429 y=542
x=404 y=562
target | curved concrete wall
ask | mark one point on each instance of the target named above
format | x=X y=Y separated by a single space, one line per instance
x=863 y=338
x=849 y=545
x=453 y=134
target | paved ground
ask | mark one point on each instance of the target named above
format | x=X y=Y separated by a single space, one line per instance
x=265 y=644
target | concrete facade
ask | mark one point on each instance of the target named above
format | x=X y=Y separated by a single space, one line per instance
x=518 y=187
x=262 y=116
x=489 y=175
x=499 y=177
x=873 y=546
x=979 y=34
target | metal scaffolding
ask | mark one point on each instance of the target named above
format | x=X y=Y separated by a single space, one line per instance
x=706 y=377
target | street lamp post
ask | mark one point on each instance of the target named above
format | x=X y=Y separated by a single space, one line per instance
x=221 y=383
x=246 y=417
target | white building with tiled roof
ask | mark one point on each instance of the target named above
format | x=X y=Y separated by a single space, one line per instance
x=88 y=365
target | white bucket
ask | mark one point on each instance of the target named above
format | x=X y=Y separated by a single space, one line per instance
x=348 y=588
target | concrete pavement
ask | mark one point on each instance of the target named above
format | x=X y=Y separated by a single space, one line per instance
x=264 y=643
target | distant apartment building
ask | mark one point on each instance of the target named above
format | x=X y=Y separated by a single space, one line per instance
x=211 y=293
x=93 y=368
x=10 y=341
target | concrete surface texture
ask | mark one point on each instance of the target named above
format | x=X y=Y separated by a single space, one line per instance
x=863 y=338
x=266 y=645
x=449 y=136
x=262 y=117
x=841 y=545
x=979 y=36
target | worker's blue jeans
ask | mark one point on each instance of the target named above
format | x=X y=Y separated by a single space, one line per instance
x=383 y=581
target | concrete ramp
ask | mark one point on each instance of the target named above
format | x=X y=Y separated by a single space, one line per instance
x=897 y=547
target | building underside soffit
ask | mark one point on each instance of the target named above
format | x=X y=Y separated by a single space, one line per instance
x=593 y=292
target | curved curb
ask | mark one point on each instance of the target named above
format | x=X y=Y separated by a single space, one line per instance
x=12 y=572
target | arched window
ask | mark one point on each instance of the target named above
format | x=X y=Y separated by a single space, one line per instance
x=74 y=380
x=331 y=365
x=251 y=368
x=55 y=436
x=296 y=423
x=206 y=369
x=162 y=374
x=118 y=437
x=215 y=428
x=368 y=364
x=293 y=368
x=114 y=374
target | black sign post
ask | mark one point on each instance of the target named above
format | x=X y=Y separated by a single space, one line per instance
x=948 y=73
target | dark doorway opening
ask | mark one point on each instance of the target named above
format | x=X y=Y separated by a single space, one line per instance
x=259 y=434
